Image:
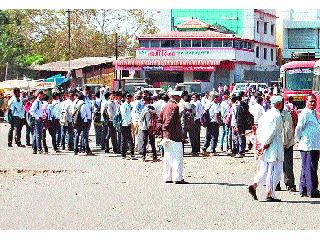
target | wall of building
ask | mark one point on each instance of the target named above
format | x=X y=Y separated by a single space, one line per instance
x=188 y=76
x=229 y=18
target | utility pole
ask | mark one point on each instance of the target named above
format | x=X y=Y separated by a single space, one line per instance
x=116 y=73
x=5 y=77
x=69 y=39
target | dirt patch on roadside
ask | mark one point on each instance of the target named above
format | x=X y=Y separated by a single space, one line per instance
x=28 y=172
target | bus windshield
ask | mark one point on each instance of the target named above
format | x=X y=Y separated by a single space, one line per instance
x=299 y=79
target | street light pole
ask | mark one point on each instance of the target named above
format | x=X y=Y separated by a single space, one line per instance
x=5 y=77
x=116 y=73
x=69 y=38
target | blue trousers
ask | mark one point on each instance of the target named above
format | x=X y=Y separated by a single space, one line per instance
x=67 y=136
x=238 y=141
x=37 y=135
x=99 y=134
x=212 y=136
x=225 y=135
x=309 y=177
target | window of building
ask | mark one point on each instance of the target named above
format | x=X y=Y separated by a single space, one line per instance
x=155 y=43
x=265 y=28
x=257 y=26
x=236 y=44
x=185 y=43
x=265 y=51
x=271 y=54
x=216 y=43
x=144 y=43
x=227 y=43
x=206 y=43
x=196 y=43
x=175 y=43
x=272 y=29
x=166 y=43
x=257 y=52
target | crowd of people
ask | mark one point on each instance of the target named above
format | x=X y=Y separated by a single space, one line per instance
x=124 y=124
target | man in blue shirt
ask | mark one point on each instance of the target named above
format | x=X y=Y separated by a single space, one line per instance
x=17 y=112
x=307 y=134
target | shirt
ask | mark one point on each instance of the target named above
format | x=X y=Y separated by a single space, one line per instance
x=49 y=111
x=224 y=107
x=198 y=109
x=56 y=110
x=36 y=109
x=307 y=130
x=16 y=107
x=257 y=111
x=137 y=107
x=125 y=110
x=66 y=105
x=270 y=133
x=159 y=105
x=213 y=110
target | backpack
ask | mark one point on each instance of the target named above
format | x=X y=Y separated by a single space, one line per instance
x=97 y=115
x=205 y=118
x=153 y=129
x=117 y=120
x=76 y=116
x=294 y=116
x=227 y=117
x=246 y=116
x=188 y=118
x=63 y=116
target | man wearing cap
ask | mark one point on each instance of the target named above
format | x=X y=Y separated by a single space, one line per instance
x=126 y=136
x=17 y=112
x=170 y=125
x=307 y=134
x=271 y=152
x=36 y=112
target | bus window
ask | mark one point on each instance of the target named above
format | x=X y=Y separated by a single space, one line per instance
x=299 y=79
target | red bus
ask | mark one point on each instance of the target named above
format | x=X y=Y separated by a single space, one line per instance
x=297 y=81
x=316 y=85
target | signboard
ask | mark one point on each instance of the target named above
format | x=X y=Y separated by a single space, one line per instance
x=185 y=54
x=301 y=38
x=299 y=70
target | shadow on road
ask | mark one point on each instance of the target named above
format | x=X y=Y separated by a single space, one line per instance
x=223 y=184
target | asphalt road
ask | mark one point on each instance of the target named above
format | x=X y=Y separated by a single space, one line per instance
x=63 y=191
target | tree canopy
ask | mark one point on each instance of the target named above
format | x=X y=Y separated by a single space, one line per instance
x=37 y=36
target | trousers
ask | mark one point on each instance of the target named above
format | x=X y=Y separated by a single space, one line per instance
x=143 y=137
x=172 y=160
x=271 y=171
x=15 y=125
x=212 y=136
x=309 y=177
x=288 y=167
x=37 y=135
x=126 y=138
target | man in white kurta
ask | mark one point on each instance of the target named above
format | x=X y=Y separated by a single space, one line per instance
x=271 y=151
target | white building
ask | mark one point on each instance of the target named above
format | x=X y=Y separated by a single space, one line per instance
x=300 y=33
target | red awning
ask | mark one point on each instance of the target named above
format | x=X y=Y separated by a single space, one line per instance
x=166 y=62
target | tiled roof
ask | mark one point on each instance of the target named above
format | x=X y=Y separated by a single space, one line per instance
x=188 y=34
x=62 y=66
x=193 y=23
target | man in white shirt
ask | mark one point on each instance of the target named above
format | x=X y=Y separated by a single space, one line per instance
x=16 y=109
x=271 y=151
x=126 y=136
x=224 y=107
x=56 y=110
x=66 y=121
x=212 y=134
x=307 y=134
x=36 y=112
x=108 y=111
x=199 y=111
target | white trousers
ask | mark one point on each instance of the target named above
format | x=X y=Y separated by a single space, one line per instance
x=172 y=160
x=271 y=171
